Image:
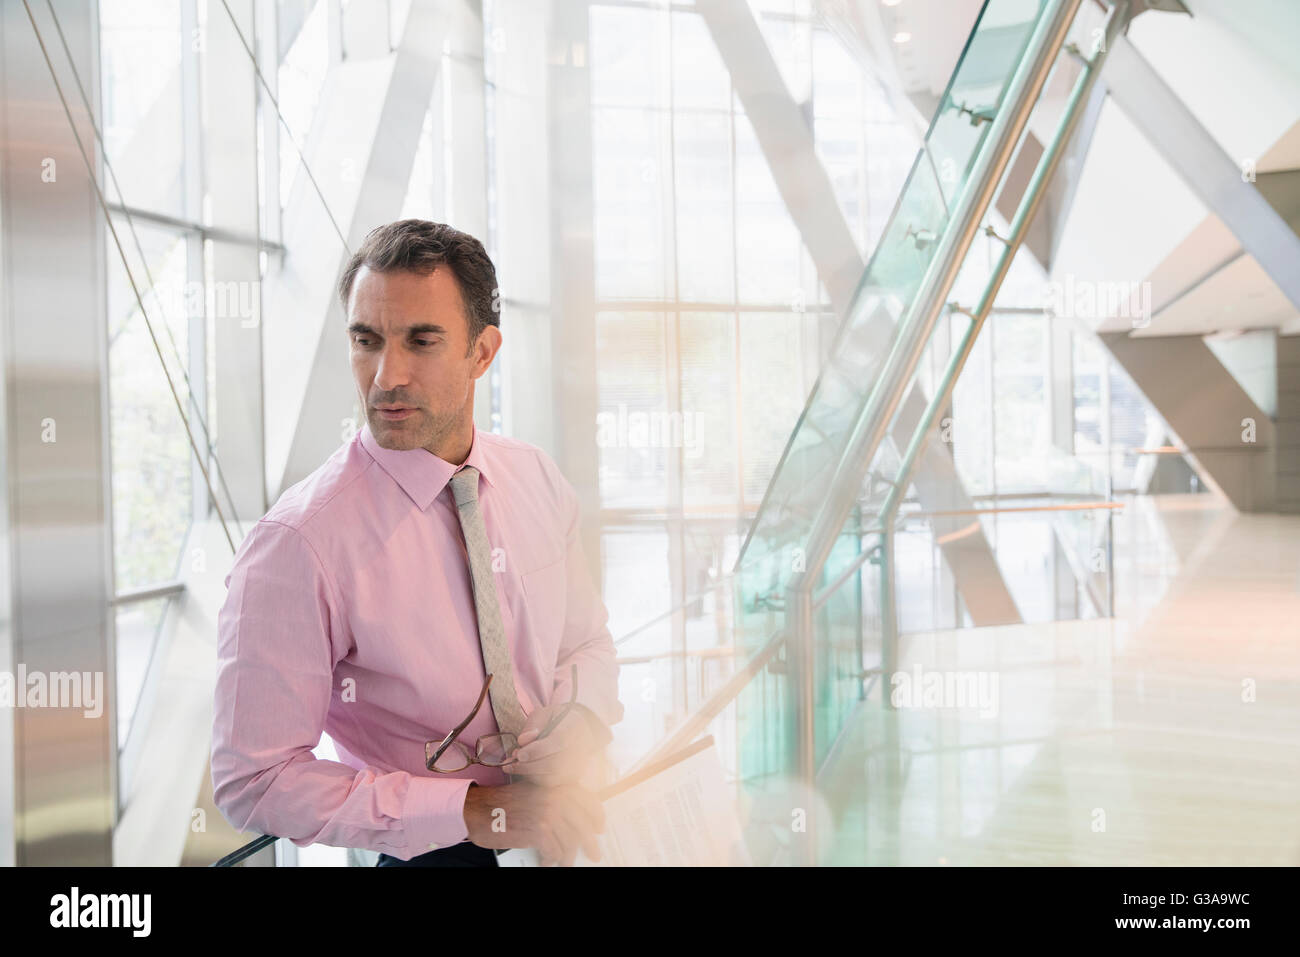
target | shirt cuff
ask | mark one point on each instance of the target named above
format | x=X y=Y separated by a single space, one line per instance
x=434 y=814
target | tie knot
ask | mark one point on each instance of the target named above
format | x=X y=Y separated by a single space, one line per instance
x=464 y=485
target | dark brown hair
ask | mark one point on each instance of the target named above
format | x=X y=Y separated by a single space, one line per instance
x=419 y=246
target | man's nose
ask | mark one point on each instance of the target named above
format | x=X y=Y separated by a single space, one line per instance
x=394 y=370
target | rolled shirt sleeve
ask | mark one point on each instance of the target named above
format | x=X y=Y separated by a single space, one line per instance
x=586 y=640
x=280 y=636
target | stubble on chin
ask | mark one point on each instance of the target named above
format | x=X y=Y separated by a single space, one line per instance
x=404 y=436
x=398 y=436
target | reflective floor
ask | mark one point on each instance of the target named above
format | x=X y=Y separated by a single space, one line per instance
x=1169 y=735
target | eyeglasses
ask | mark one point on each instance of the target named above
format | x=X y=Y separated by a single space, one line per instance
x=496 y=750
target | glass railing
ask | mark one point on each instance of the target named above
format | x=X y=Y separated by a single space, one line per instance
x=890 y=284
x=871 y=411
x=1053 y=557
x=846 y=620
x=792 y=704
x=1047 y=525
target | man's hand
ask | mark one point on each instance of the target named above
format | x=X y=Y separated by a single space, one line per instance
x=556 y=821
x=564 y=755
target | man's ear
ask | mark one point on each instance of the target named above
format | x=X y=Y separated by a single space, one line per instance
x=486 y=346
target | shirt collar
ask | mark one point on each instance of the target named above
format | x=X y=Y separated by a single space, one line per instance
x=420 y=473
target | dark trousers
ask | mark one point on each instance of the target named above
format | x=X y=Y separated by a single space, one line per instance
x=464 y=854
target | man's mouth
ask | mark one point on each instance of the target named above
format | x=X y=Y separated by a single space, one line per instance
x=395 y=413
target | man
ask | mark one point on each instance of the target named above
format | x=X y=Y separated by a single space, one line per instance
x=374 y=598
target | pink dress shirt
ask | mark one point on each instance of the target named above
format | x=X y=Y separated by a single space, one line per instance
x=350 y=611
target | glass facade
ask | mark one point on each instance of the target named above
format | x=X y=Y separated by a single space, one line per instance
x=708 y=327
x=679 y=333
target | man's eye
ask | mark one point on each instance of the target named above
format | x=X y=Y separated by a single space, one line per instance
x=361 y=340
x=426 y=342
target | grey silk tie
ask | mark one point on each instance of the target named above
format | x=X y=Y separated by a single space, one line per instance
x=491 y=634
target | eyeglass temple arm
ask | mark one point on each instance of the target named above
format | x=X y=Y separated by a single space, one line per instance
x=455 y=732
x=573 y=698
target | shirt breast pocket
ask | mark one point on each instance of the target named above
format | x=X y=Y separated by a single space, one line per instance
x=545 y=601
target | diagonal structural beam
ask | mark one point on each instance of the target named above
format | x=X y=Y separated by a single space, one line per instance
x=362 y=153
x=1223 y=433
x=1208 y=418
x=1202 y=163
x=788 y=146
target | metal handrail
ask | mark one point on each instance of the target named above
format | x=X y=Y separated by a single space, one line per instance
x=1135 y=450
x=247 y=851
x=1068 y=507
x=871 y=554
x=914 y=331
x=1034 y=192
x=918 y=323
x=1046 y=167
x=129 y=596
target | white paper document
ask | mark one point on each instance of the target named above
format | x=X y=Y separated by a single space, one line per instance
x=676 y=813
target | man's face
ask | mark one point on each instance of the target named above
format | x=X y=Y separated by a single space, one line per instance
x=411 y=357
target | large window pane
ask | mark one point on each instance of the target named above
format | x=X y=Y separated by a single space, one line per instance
x=152 y=503
x=768 y=259
x=140 y=46
x=705 y=241
x=631 y=192
x=632 y=410
x=700 y=79
x=1020 y=393
x=136 y=637
x=772 y=394
x=708 y=363
x=629 y=57
x=301 y=75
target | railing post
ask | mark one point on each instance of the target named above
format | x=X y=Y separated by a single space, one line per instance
x=859 y=647
x=888 y=613
x=802 y=657
x=1110 y=547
